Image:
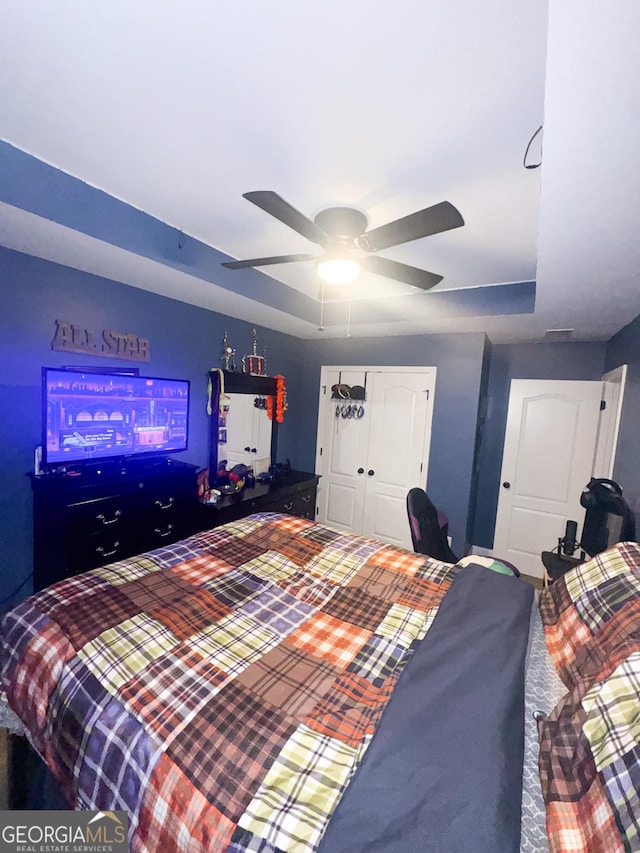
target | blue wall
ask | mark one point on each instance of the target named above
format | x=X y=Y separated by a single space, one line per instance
x=520 y=361
x=459 y=362
x=185 y=342
x=624 y=348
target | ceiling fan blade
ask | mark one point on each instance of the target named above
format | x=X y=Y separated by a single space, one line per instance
x=263 y=262
x=273 y=204
x=401 y=272
x=432 y=220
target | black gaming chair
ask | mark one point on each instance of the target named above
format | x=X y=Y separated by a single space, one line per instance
x=429 y=527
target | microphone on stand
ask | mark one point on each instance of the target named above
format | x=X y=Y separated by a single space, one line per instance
x=568 y=542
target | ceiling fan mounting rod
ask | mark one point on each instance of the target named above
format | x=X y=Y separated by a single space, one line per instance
x=345 y=222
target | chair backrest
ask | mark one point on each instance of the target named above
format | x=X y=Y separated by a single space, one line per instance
x=429 y=527
x=608 y=518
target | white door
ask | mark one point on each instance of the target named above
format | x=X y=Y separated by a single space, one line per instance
x=368 y=464
x=341 y=453
x=399 y=433
x=547 y=460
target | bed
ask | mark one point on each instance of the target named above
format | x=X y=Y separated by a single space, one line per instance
x=275 y=685
x=590 y=742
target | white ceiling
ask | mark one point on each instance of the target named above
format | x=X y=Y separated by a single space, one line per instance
x=177 y=108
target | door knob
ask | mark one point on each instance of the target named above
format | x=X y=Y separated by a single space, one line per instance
x=247 y=448
x=360 y=470
x=371 y=472
x=506 y=485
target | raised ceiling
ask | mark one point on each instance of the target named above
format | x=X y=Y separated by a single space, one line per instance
x=178 y=109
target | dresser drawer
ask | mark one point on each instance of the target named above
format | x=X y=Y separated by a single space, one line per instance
x=162 y=497
x=97 y=549
x=97 y=515
x=305 y=505
x=301 y=503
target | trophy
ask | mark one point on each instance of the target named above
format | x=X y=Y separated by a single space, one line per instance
x=228 y=357
x=254 y=364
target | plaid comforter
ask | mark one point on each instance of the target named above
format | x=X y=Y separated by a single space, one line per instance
x=590 y=743
x=223 y=690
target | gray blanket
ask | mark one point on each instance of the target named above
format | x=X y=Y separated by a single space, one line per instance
x=444 y=772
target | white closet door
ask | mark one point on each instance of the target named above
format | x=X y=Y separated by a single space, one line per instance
x=368 y=465
x=399 y=433
x=341 y=449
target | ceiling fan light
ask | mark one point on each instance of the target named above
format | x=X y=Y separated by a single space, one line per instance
x=338 y=270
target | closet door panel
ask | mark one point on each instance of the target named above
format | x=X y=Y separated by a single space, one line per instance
x=400 y=424
x=368 y=464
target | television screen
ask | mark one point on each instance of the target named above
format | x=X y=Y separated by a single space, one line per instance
x=94 y=416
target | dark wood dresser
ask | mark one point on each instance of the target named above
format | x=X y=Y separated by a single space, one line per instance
x=293 y=493
x=102 y=514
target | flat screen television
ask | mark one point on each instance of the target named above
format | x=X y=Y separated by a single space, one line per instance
x=89 y=416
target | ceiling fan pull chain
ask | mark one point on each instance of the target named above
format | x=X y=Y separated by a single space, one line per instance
x=321 y=326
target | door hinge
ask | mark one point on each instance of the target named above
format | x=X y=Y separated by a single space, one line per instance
x=421 y=467
x=426 y=391
x=324 y=389
x=320 y=451
x=603 y=405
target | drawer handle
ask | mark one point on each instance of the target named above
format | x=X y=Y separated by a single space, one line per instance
x=100 y=550
x=168 y=505
x=163 y=534
x=102 y=518
x=288 y=506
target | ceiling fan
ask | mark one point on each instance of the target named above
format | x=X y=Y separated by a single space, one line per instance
x=341 y=231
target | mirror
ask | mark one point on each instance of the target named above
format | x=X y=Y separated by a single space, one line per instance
x=243 y=434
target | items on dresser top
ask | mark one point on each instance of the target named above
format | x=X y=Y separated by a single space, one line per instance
x=293 y=492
